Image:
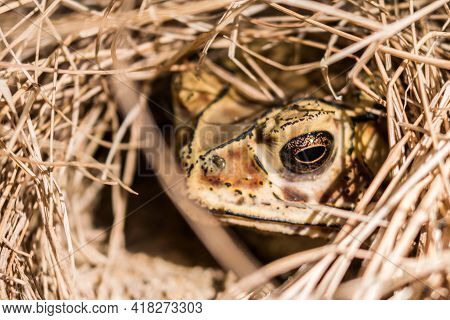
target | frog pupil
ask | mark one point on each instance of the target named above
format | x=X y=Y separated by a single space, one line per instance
x=311 y=154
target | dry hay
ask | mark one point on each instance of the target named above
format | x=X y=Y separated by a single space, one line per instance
x=74 y=82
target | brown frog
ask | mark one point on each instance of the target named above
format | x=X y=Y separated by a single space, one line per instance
x=274 y=168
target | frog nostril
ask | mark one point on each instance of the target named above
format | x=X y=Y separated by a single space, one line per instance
x=219 y=162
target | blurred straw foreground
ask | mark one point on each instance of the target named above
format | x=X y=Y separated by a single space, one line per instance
x=75 y=77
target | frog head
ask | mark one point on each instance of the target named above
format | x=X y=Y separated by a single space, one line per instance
x=267 y=173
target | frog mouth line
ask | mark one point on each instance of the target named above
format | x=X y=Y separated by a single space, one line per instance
x=247 y=218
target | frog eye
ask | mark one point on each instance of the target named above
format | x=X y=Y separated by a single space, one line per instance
x=307 y=152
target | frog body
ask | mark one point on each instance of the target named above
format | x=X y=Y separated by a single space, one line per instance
x=274 y=168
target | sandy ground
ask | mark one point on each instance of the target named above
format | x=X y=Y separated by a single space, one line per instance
x=164 y=259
